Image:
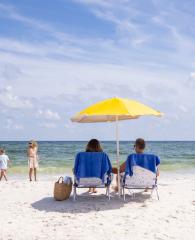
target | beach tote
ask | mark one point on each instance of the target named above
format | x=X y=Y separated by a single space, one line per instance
x=62 y=190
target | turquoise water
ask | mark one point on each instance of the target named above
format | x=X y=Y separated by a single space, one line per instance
x=59 y=156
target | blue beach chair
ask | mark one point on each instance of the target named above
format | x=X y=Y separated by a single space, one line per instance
x=92 y=170
x=140 y=173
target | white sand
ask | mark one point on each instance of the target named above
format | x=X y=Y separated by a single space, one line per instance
x=28 y=212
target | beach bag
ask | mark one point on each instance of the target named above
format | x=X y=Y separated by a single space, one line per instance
x=62 y=190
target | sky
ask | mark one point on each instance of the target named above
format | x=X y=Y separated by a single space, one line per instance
x=59 y=56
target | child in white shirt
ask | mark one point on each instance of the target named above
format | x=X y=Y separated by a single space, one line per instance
x=4 y=160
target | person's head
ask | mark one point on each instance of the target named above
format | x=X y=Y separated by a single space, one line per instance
x=2 y=151
x=139 y=145
x=33 y=144
x=93 y=146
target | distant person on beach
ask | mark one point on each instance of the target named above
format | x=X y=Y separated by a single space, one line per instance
x=32 y=154
x=139 y=148
x=93 y=146
x=4 y=161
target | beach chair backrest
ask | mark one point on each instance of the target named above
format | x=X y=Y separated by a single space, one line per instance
x=92 y=168
x=141 y=178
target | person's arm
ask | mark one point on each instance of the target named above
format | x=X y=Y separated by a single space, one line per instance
x=36 y=153
x=28 y=152
x=122 y=167
x=9 y=163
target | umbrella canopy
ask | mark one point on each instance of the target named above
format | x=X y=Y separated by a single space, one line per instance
x=114 y=110
x=110 y=109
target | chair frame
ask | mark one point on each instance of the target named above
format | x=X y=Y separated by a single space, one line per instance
x=152 y=188
x=107 y=186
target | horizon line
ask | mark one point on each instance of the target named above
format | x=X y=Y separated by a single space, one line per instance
x=100 y=140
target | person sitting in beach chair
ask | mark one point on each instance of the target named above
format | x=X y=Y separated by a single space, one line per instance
x=92 y=168
x=139 y=164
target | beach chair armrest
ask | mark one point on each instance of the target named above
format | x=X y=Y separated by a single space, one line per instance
x=122 y=178
x=109 y=178
x=75 y=181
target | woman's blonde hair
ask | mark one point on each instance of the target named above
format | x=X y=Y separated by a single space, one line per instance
x=33 y=144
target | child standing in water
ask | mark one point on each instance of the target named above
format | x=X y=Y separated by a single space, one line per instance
x=32 y=159
x=4 y=160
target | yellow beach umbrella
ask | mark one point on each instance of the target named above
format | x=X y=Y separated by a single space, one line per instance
x=114 y=110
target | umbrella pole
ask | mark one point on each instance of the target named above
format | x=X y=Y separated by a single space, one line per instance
x=117 y=156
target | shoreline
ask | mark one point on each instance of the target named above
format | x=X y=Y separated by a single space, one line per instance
x=54 y=175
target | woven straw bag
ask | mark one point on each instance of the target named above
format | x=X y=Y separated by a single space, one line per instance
x=62 y=190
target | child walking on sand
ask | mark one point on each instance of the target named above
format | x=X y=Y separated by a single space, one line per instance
x=4 y=160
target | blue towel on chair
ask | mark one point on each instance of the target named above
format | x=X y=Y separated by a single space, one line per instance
x=147 y=161
x=92 y=164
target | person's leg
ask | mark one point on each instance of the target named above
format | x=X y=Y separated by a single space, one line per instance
x=30 y=174
x=35 y=174
x=122 y=169
x=94 y=190
x=115 y=171
x=1 y=174
x=4 y=174
x=116 y=186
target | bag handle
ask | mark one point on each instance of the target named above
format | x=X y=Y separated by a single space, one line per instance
x=61 y=178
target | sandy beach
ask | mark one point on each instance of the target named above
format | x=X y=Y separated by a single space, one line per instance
x=28 y=211
x=95 y=88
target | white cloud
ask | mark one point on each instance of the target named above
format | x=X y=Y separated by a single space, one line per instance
x=8 y=99
x=11 y=12
x=183 y=108
x=126 y=47
x=121 y=13
x=43 y=49
x=11 y=125
x=70 y=72
x=101 y=3
x=48 y=114
x=49 y=125
x=9 y=72
x=159 y=28
x=192 y=75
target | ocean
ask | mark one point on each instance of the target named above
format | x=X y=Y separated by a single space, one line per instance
x=58 y=156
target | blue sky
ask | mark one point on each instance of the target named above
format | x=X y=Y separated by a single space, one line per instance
x=59 y=56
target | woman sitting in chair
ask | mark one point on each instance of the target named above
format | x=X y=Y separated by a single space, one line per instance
x=93 y=146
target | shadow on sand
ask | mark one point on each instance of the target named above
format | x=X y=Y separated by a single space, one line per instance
x=87 y=203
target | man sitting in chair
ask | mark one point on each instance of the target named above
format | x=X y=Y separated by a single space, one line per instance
x=139 y=148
